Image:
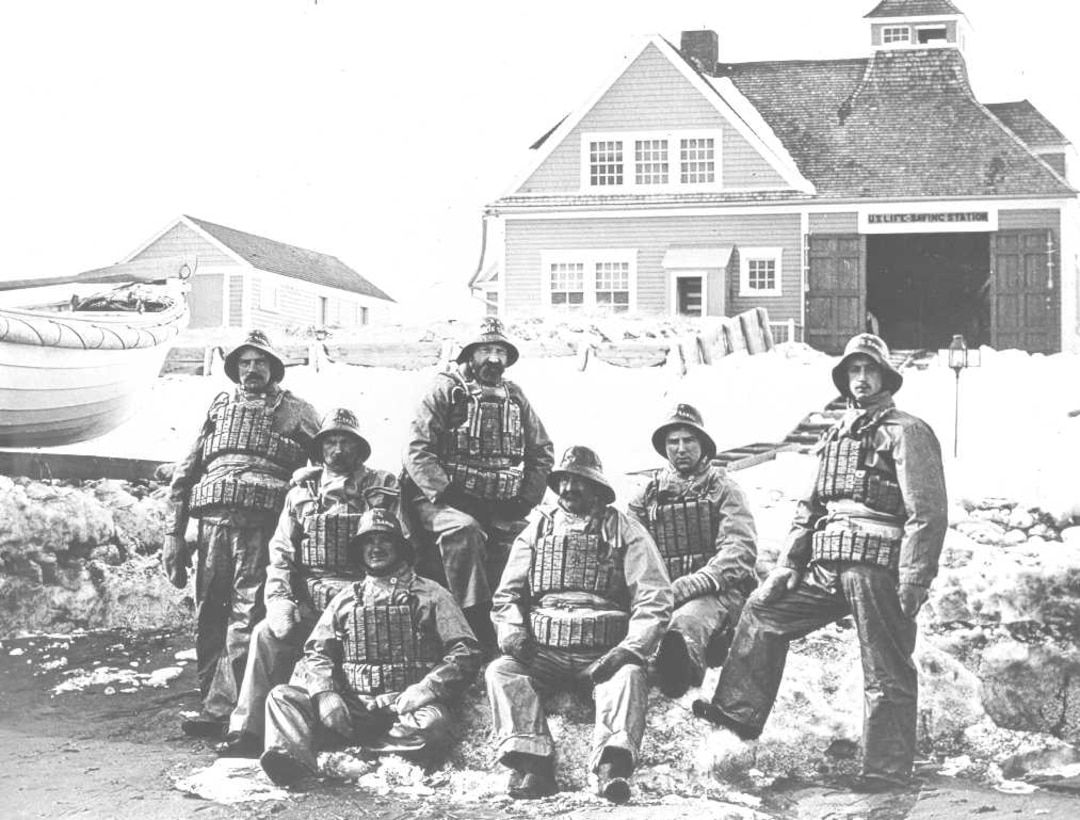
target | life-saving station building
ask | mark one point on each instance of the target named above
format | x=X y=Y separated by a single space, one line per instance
x=838 y=194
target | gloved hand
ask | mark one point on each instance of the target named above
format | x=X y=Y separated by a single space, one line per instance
x=693 y=585
x=333 y=713
x=281 y=616
x=176 y=558
x=777 y=583
x=413 y=698
x=614 y=660
x=912 y=598
x=518 y=645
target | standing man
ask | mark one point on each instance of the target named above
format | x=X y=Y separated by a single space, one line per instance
x=385 y=658
x=703 y=527
x=234 y=481
x=584 y=599
x=865 y=541
x=309 y=565
x=476 y=463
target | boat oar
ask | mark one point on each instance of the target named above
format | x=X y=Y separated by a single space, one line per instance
x=140 y=270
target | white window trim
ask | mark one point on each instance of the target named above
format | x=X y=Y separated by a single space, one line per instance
x=885 y=29
x=267 y=288
x=588 y=257
x=689 y=273
x=627 y=139
x=944 y=41
x=747 y=254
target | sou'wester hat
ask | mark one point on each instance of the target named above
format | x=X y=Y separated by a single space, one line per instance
x=341 y=420
x=257 y=340
x=684 y=415
x=581 y=461
x=491 y=332
x=867 y=344
x=377 y=519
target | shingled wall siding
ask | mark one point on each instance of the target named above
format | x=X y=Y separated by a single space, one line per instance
x=653 y=94
x=527 y=240
x=236 y=300
x=180 y=240
x=834 y=223
x=1029 y=218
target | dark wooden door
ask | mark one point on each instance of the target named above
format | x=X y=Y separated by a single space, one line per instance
x=836 y=292
x=1025 y=300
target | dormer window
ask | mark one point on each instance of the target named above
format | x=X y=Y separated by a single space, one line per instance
x=896 y=34
x=650 y=161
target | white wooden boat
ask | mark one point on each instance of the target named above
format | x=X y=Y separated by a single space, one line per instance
x=73 y=375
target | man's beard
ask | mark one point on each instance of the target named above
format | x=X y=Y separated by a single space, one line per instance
x=490 y=373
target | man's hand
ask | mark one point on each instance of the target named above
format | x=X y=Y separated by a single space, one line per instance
x=281 y=616
x=413 y=698
x=693 y=585
x=519 y=646
x=777 y=583
x=610 y=663
x=176 y=558
x=912 y=598
x=333 y=713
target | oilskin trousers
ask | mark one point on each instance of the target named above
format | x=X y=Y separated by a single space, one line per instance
x=706 y=621
x=518 y=720
x=270 y=663
x=473 y=546
x=829 y=591
x=293 y=728
x=229 y=583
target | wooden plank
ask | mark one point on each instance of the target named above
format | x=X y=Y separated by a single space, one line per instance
x=41 y=465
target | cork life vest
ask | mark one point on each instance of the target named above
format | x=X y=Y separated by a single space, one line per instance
x=578 y=588
x=247 y=464
x=383 y=650
x=482 y=454
x=685 y=532
x=844 y=472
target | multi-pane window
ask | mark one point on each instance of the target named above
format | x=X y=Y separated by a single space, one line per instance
x=606 y=162
x=895 y=34
x=761 y=274
x=613 y=286
x=650 y=162
x=567 y=285
x=759 y=270
x=697 y=160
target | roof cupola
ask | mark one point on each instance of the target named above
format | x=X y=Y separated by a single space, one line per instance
x=907 y=24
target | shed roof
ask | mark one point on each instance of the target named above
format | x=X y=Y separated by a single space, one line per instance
x=899 y=124
x=913 y=8
x=1028 y=123
x=288 y=260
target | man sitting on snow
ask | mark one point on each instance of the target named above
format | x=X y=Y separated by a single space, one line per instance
x=702 y=524
x=865 y=542
x=385 y=657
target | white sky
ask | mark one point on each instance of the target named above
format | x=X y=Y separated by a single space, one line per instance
x=372 y=131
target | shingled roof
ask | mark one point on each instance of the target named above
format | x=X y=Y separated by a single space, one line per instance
x=299 y=263
x=913 y=8
x=902 y=124
x=1028 y=123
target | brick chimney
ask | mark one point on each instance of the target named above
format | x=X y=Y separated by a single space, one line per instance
x=702 y=49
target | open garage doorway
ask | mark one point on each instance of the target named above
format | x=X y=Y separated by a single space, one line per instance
x=923 y=288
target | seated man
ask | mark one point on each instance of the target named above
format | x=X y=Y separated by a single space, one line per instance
x=308 y=565
x=705 y=532
x=584 y=598
x=379 y=667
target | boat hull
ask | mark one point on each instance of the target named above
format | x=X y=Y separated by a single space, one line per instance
x=53 y=394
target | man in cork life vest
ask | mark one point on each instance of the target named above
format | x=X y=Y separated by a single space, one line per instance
x=234 y=480
x=865 y=542
x=476 y=461
x=384 y=659
x=702 y=525
x=309 y=564
x=584 y=599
